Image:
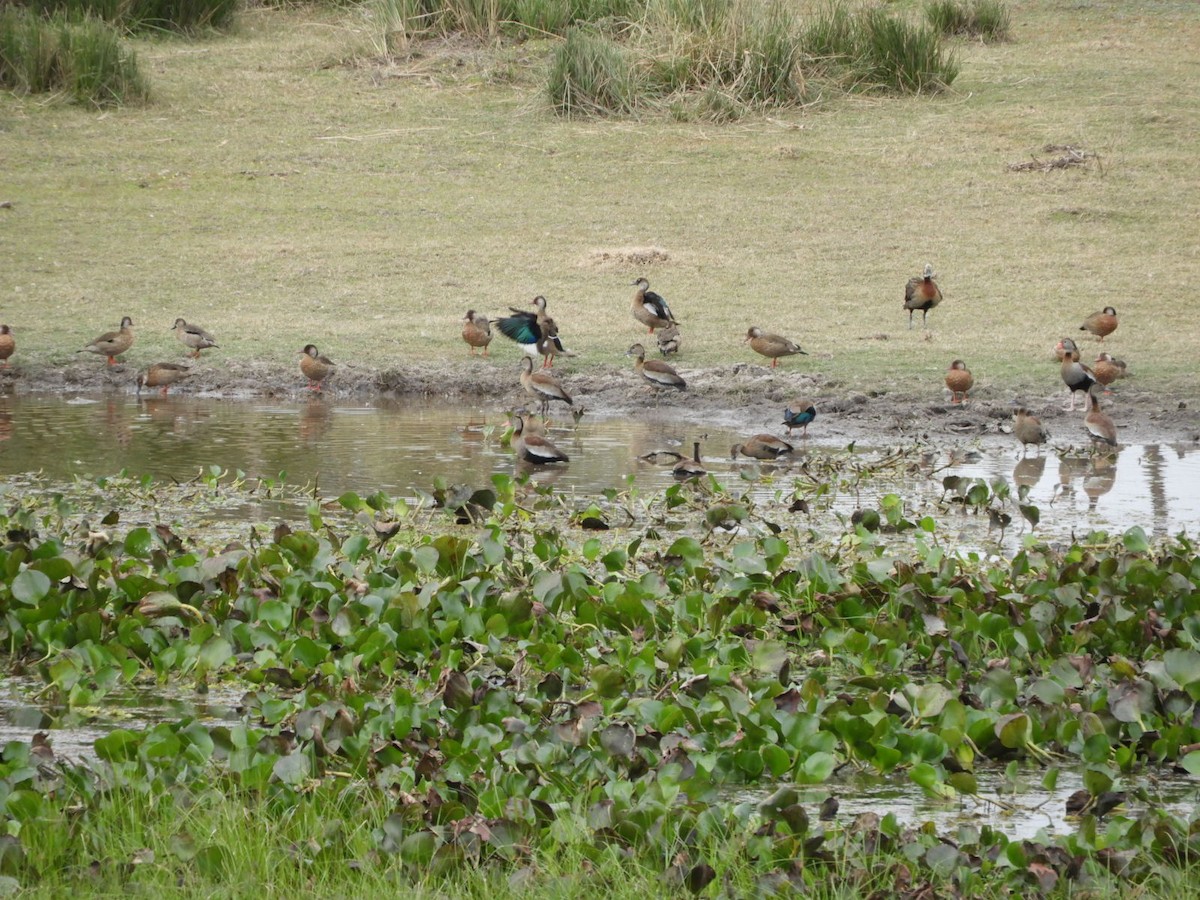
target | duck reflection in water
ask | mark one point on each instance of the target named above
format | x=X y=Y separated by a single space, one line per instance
x=1100 y=477
x=1029 y=471
x=1071 y=467
x=315 y=419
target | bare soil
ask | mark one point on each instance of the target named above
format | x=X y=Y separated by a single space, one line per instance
x=736 y=396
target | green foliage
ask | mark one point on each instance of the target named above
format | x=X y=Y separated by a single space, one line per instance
x=83 y=59
x=143 y=15
x=590 y=74
x=988 y=20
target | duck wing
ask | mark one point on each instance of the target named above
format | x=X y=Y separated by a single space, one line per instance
x=658 y=306
x=522 y=328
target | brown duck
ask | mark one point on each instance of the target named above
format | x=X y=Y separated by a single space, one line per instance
x=772 y=346
x=534 y=448
x=1102 y=323
x=668 y=340
x=690 y=468
x=194 y=337
x=960 y=381
x=1075 y=375
x=112 y=343
x=476 y=331
x=649 y=308
x=542 y=386
x=921 y=292
x=7 y=345
x=1107 y=369
x=762 y=446
x=798 y=414
x=1099 y=425
x=162 y=375
x=1028 y=429
x=316 y=368
x=655 y=372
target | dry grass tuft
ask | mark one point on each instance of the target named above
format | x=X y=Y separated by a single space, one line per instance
x=1068 y=157
x=619 y=258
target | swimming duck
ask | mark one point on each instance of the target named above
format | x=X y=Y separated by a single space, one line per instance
x=772 y=346
x=798 y=414
x=7 y=345
x=921 y=292
x=1028 y=429
x=657 y=373
x=762 y=446
x=649 y=308
x=112 y=343
x=542 y=386
x=668 y=340
x=536 y=332
x=315 y=366
x=162 y=375
x=1107 y=369
x=1102 y=323
x=194 y=337
x=476 y=331
x=959 y=380
x=1099 y=425
x=534 y=448
x=690 y=468
x=1075 y=375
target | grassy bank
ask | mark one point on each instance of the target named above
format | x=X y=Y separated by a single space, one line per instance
x=277 y=197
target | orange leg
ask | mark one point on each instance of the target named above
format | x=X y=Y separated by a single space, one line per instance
x=112 y=360
x=164 y=389
x=775 y=362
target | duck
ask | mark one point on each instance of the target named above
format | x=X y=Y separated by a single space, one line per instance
x=649 y=308
x=1107 y=369
x=1028 y=429
x=162 y=375
x=960 y=381
x=657 y=373
x=772 y=346
x=921 y=292
x=1102 y=323
x=762 y=446
x=542 y=386
x=534 y=448
x=798 y=414
x=536 y=332
x=1075 y=375
x=668 y=340
x=690 y=468
x=8 y=346
x=112 y=343
x=194 y=337
x=1099 y=424
x=476 y=331
x=315 y=367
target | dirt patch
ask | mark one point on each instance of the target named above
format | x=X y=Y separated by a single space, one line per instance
x=741 y=396
x=625 y=258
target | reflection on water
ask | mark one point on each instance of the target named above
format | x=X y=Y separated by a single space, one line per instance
x=401 y=447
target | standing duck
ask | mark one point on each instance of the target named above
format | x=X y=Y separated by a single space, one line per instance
x=7 y=345
x=476 y=331
x=1102 y=323
x=772 y=346
x=1075 y=375
x=649 y=308
x=690 y=468
x=316 y=368
x=960 y=381
x=542 y=386
x=112 y=343
x=162 y=375
x=668 y=340
x=1028 y=430
x=762 y=446
x=536 y=332
x=657 y=373
x=1099 y=425
x=921 y=293
x=534 y=448
x=798 y=414
x=194 y=337
x=1107 y=369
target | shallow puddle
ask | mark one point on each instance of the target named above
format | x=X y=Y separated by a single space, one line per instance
x=401 y=447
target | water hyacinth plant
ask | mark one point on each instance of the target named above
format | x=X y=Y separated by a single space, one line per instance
x=452 y=701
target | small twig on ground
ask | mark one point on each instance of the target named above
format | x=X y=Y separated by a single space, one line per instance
x=1069 y=156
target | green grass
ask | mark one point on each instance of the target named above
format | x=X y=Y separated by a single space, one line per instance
x=988 y=20
x=144 y=15
x=277 y=199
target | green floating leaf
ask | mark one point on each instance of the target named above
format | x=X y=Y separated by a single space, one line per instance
x=1191 y=763
x=293 y=768
x=30 y=587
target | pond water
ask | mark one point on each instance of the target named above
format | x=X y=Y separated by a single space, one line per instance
x=401 y=447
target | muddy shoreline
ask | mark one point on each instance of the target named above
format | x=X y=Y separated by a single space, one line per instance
x=736 y=396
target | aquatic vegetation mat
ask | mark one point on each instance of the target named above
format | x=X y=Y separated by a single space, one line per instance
x=487 y=692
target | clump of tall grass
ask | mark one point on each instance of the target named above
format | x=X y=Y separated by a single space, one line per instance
x=143 y=15
x=590 y=74
x=985 y=19
x=82 y=58
x=871 y=49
